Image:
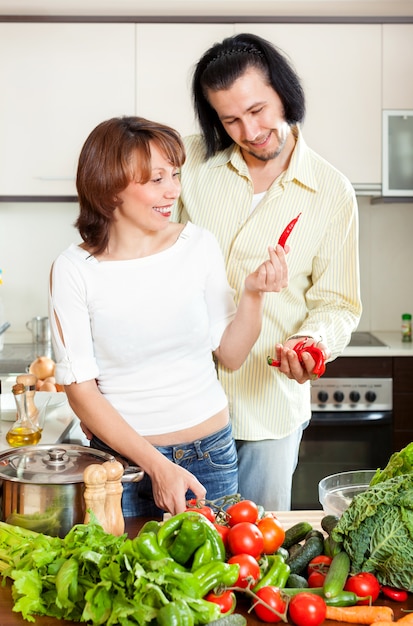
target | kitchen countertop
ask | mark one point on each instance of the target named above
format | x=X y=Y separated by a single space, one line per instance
x=394 y=346
x=59 y=418
x=288 y=519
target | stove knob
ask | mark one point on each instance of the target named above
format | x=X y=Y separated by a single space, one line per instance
x=371 y=396
x=354 y=396
x=338 y=396
x=322 y=396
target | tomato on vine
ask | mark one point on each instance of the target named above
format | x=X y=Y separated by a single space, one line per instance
x=307 y=609
x=272 y=532
x=271 y=596
x=225 y=600
x=246 y=538
x=243 y=511
x=249 y=570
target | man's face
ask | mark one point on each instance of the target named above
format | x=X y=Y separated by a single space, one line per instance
x=253 y=115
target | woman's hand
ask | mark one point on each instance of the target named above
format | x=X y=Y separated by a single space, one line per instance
x=272 y=275
x=170 y=482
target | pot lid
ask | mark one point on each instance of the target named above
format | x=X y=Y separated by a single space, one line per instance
x=47 y=464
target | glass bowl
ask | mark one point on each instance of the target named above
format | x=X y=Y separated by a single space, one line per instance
x=335 y=492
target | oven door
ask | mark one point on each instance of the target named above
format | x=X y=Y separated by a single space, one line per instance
x=339 y=442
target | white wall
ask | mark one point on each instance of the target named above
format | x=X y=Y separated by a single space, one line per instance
x=32 y=235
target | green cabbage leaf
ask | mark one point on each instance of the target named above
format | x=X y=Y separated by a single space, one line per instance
x=399 y=463
x=376 y=531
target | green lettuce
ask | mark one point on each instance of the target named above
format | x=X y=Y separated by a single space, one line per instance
x=376 y=531
x=399 y=463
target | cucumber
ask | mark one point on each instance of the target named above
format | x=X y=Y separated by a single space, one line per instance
x=295 y=534
x=328 y=523
x=297 y=581
x=314 y=533
x=310 y=549
x=337 y=575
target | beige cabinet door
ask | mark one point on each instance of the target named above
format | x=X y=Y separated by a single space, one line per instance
x=165 y=58
x=398 y=66
x=340 y=67
x=58 y=81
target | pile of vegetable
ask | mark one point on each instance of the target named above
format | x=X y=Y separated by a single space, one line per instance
x=194 y=567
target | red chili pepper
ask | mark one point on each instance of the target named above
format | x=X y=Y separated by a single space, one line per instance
x=398 y=595
x=316 y=353
x=287 y=231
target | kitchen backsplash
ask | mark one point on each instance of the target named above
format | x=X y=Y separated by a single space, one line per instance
x=32 y=235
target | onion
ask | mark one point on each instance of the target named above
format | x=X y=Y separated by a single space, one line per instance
x=42 y=367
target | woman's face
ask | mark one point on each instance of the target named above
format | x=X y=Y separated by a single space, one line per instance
x=148 y=205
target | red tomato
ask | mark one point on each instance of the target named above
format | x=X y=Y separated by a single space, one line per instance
x=225 y=600
x=245 y=538
x=271 y=596
x=273 y=533
x=307 y=609
x=249 y=570
x=203 y=510
x=223 y=531
x=319 y=563
x=244 y=511
x=363 y=584
x=316 y=579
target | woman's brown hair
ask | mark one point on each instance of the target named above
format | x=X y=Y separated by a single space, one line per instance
x=107 y=165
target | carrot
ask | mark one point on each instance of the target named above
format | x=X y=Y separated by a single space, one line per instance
x=406 y=619
x=383 y=623
x=360 y=614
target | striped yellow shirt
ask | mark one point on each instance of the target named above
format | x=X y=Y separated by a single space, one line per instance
x=323 y=296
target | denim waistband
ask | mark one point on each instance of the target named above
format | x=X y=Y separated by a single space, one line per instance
x=196 y=445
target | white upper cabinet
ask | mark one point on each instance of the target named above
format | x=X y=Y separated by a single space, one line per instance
x=340 y=68
x=58 y=81
x=165 y=58
x=398 y=66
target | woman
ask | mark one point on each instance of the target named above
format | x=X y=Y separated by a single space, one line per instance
x=139 y=309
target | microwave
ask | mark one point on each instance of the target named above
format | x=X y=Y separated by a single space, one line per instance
x=397 y=162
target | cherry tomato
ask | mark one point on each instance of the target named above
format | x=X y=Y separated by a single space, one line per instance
x=244 y=511
x=307 y=609
x=316 y=579
x=398 y=595
x=363 y=584
x=271 y=596
x=249 y=570
x=203 y=509
x=319 y=563
x=245 y=538
x=273 y=533
x=223 y=531
x=225 y=600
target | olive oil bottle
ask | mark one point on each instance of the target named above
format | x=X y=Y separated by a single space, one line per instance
x=23 y=432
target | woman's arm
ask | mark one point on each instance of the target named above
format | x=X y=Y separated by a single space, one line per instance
x=170 y=482
x=241 y=334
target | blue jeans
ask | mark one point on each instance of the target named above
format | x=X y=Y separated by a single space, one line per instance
x=213 y=460
x=266 y=468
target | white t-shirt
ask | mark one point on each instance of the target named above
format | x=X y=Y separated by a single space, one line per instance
x=145 y=329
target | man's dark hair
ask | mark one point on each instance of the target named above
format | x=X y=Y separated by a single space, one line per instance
x=220 y=67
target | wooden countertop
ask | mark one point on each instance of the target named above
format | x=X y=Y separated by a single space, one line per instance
x=288 y=519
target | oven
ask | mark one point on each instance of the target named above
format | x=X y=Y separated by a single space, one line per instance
x=351 y=426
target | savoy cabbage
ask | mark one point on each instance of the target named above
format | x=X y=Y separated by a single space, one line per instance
x=376 y=531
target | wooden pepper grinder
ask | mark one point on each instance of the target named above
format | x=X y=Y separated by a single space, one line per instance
x=113 y=507
x=94 y=477
x=29 y=381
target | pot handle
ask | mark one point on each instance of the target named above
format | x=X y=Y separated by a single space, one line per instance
x=132 y=474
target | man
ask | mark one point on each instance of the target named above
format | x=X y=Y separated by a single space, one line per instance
x=245 y=178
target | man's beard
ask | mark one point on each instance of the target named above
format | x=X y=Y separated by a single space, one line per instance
x=269 y=156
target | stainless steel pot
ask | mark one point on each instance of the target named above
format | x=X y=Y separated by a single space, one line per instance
x=42 y=485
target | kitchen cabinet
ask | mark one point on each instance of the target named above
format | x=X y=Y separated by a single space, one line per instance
x=402 y=402
x=397 y=66
x=58 y=82
x=340 y=67
x=166 y=55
